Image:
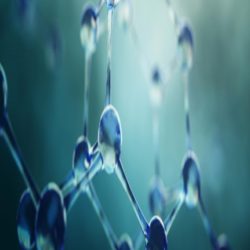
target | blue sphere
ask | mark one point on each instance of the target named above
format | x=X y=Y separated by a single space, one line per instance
x=110 y=137
x=191 y=179
x=26 y=215
x=88 y=33
x=81 y=157
x=222 y=243
x=186 y=46
x=157 y=239
x=51 y=219
x=125 y=243
x=157 y=197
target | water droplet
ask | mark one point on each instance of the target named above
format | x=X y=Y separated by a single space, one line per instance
x=110 y=137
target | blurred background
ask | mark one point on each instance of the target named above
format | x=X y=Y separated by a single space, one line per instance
x=44 y=62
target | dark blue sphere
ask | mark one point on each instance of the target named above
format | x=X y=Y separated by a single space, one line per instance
x=157 y=239
x=186 y=35
x=26 y=215
x=51 y=219
x=125 y=243
x=156 y=75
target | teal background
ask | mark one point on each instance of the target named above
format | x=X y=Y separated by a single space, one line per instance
x=45 y=107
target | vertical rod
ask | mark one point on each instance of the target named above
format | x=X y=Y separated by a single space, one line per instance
x=108 y=83
x=156 y=142
x=86 y=94
x=187 y=111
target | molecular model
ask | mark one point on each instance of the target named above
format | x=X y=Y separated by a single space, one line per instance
x=42 y=216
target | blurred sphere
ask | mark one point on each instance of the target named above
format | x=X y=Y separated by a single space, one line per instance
x=124 y=13
x=88 y=32
x=157 y=197
x=26 y=215
x=185 y=45
x=125 y=243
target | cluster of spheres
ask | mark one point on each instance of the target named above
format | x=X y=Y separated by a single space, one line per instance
x=42 y=215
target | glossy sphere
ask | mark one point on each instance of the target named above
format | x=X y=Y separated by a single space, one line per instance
x=124 y=11
x=51 y=220
x=110 y=137
x=81 y=157
x=88 y=33
x=157 y=239
x=157 y=197
x=3 y=92
x=191 y=180
x=186 y=44
x=25 y=9
x=26 y=215
x=223 y=243
x=125 y=243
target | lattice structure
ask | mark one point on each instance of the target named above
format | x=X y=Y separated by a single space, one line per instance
x=42 y=216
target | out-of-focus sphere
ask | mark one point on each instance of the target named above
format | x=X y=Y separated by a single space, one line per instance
x=110 y=137
x=156 y=88
x=186 y=45
x=191 y=180
x=81 y=157
x=125 y=243
x=157 y=197
x=88 y=32
x=3 y=92
x=51 y=219
x=111 y=3
x=124 y=12
x=26 y=215
x=223 y=242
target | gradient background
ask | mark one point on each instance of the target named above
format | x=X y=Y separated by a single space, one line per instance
x=45 y=107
